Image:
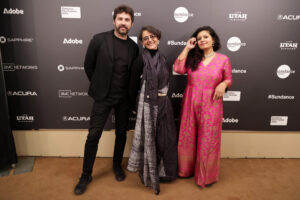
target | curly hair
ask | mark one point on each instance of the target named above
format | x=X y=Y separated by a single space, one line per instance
x=126 y=9
x=196 y=54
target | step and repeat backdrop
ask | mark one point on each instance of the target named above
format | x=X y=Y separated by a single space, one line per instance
x=43 y=46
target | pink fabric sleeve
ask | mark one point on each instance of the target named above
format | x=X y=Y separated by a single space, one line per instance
x=227 y=72
x=179 y=66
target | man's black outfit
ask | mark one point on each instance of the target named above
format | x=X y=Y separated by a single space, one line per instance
x=107 y=64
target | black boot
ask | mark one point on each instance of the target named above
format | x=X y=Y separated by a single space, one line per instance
x=119 y=173
x=81 y=185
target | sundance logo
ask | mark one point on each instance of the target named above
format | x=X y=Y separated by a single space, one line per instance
x=72 y=41
x=234 y=44
x=4 y=40
x=176 y=43
x=178 y=95
x=11 y=11
x=76 y=118
x=21 y=93
x=181 y=14
x=62 y=68
x=13 y=67
x=281 y=17
x=70 y=94
x=288 y=45
x=280 y=97
x=284 y=71
x=239 y=71
x=230 y=120
x=238 y=16
x=25 y=118
x=279 y=120
x=232 y=96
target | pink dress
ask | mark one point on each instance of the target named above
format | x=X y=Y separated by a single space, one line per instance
x=201 y=120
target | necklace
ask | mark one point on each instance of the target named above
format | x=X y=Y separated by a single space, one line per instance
x=209 y=55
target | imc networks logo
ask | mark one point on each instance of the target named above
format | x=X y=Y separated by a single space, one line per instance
x=62 y=68
x=279 y=120
x=70 y=94
x=288 y=45
x=284 y=71
x=282 y=17
x=4 y=40
x=25 y=118
x=72 y=41
x=237 y=16
x=70 y=12
x=234 y=44
x=12 y=11
x=181 y=14
x=9 y=67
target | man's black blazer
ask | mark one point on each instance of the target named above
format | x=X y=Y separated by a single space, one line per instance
x=99 y=63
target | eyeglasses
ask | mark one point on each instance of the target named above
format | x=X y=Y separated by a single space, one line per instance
x=146 y=38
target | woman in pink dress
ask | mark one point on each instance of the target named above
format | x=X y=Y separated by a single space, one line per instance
x=209 y=74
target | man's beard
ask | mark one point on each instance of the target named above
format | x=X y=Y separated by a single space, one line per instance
x=122 y=33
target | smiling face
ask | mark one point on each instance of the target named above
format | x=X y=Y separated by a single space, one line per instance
x=149 y=40
x=123 y=23
x=204 y=40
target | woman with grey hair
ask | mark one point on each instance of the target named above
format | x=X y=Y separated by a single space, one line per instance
x=154 y=146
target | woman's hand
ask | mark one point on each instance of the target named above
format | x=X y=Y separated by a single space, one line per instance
x=219 y=91
x=191 y=43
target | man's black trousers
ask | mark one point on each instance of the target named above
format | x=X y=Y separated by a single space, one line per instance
x=100 y=113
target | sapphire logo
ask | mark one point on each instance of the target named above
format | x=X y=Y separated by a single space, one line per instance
x=284 y=71
x=11 y=11
x=4 y=40
x=181 y=14
x=234 y=44
x=62 y=68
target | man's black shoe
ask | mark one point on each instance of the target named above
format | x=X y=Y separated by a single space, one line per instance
x=81 y=185
x=119 y=173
